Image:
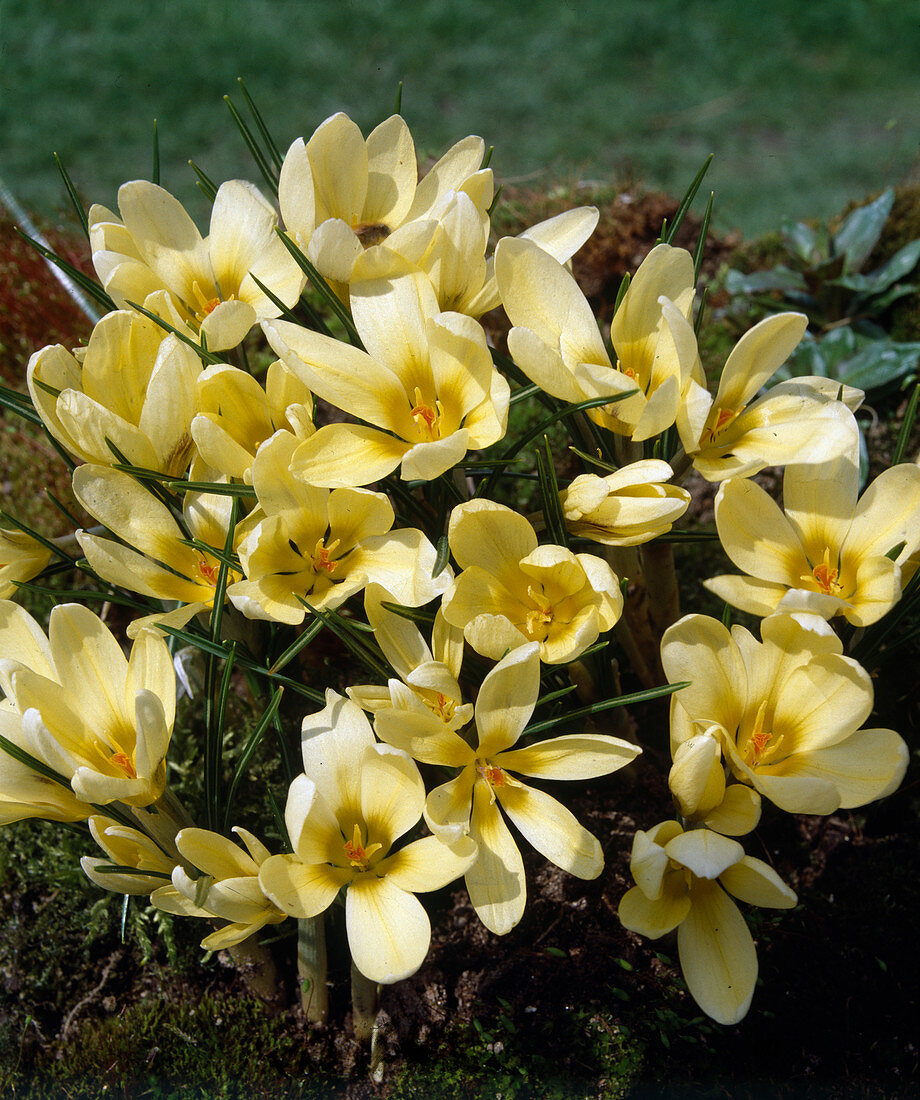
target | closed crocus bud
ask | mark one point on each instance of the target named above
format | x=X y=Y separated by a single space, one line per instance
x=631 y=506
x=697 y=782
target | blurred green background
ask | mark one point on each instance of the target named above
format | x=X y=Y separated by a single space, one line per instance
x=806 y=105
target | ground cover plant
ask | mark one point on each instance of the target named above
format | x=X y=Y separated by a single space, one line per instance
x=379 y=680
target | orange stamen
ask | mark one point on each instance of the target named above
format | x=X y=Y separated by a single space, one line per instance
x=825 y=575
x=121 y=760
x=426 y=417
x=321 y=556
x=208 y=571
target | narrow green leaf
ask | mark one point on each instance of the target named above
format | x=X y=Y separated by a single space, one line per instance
x=670 y=233
x=7 y=517
x=283 y=311
x=33 y=762
x=207 y=186
x=155 y=173
x=72 y=193
x=345 y=630
x=907 y=426
x=701 y=240
x=121 y=869
x=442 y=556
x=322 y=288
x=553 y=516
x=301 y=643
x=497 y=195
x=84 y=282
x=598 y=708
x=397 y=107
x=413 y=614
x=246 y=755
x=273 y=151
x=269 y=174
x=217 y=488
x=621 y=290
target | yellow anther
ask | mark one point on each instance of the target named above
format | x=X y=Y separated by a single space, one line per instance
x=539 y=618
x=426 y=417
x=442 y=706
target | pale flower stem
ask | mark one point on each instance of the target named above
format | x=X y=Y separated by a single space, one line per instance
x=634 y=628
x=162 y=820
x=311 y=968
x=365 y=1001
x=626 y=450
x=661 y=585
x=257 y=968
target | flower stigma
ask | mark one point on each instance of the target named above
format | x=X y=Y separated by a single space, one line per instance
x=358 y=855
x=824 y=575
x=321 y=556
x=494 y=777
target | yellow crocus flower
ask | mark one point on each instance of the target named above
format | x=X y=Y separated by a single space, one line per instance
x=684 y=880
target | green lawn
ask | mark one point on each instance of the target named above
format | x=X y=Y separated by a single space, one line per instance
x=805 y=105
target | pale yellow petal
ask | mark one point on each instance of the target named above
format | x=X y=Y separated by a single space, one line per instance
x=298 y=889
x=552 y=830
x=388 y=930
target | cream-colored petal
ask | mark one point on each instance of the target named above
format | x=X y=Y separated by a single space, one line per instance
x=576 y=756
x=227 y=325
x=295 y=192
x=388 y=930
x=888 y=514
x=301 y=890
x=756 y=535
x=506 y=699
x=866 y=766
x=448 y=807
x=700 y=649
x=543 y=365
x=489 y=536
x=459 y=162
x=91 y=667
x=738 y=812
x=653 y=917
x=392 y=173
x=756 y=883
x=338 y=158
x=423 y=736
x=392 y=793
x=749 y=594
x=757 y=356
x=717 y=954
x=214 y=854
x=495 y=882
x=552 y=830
x=347 y=455
x=705 y=853
x=334 y=742
x=428 y=864
x=333 y=250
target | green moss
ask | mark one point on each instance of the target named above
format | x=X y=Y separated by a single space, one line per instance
x=535 y=1057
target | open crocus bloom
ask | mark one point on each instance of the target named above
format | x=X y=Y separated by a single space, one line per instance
x=786 y=711
x=130 y=386
x=102 y=722
x=826 y=552
x=211 y=281
x=626 y=508
x=236 y=415
x=734 y=435
x=512 y=591
x=307 y=546
x=556 y=341
x=428 y=680
x=340 y=194
x=683 y=882
x=425 y=387
x=355 y=800
x=227 y=889
x=471 y=804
